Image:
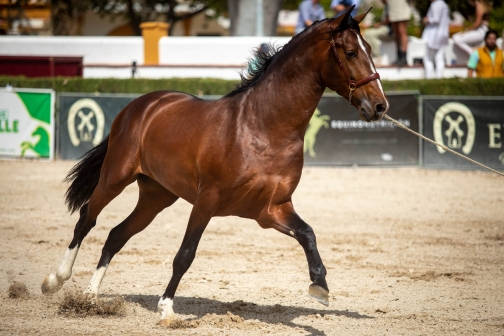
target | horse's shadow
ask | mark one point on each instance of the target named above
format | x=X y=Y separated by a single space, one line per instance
x=271 y=314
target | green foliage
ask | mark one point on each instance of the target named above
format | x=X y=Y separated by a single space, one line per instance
x=294 y=5
x=207 y=86
x=196 y=86
x=450 y=86
x=497 y=19
x=291 y=4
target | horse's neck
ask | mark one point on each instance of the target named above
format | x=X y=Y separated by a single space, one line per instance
x=288 y=94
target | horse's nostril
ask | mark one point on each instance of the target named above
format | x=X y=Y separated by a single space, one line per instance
x=380 y=108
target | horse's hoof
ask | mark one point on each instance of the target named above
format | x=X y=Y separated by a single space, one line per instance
x=51 y=285
x=320 y=294
x=165 y=322
x=165 y=308
x=91 y=296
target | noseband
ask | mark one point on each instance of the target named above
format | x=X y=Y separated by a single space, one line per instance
x=352 y=84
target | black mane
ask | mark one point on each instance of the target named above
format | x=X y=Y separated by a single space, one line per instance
x=256 y=67
x=259 y=63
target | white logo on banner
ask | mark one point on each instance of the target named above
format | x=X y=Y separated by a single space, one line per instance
x=501 y=158
x=85 y=127
x=454 y=133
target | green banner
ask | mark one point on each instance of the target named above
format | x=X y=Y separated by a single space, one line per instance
x=26 y=124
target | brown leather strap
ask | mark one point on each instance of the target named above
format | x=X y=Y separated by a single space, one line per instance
x=352 y=84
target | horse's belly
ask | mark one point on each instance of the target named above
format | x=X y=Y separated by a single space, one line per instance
x=257 y=196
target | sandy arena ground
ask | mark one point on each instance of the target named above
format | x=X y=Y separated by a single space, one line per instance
x=408 y=252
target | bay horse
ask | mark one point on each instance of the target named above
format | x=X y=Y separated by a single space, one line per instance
x=241 y=155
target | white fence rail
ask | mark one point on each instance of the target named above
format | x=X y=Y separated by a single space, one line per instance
x=213 y=57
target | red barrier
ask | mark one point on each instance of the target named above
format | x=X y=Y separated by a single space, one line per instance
x=41 y=66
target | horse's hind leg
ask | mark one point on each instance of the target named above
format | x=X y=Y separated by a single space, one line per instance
x=153 y=198
x=109 y=186
x=285 y=220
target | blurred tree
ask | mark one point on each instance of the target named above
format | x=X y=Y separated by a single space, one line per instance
x=67 y=15
x=294 y=5
x=138 y=11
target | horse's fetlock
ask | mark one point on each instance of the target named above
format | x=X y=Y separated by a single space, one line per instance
x=318 y=272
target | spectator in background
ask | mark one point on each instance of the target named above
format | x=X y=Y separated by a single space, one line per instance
x=341 y=6
x=487 y=61
x=399 y=14
x=376 y=33
x=473 y=36
x=436 y=35
x=309 y=12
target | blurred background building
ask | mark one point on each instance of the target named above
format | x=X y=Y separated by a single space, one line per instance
x=108 y=34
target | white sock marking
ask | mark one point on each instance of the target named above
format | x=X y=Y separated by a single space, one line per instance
x=165 y=307
x=96 y=280
x=64 y=271
x=53 y=282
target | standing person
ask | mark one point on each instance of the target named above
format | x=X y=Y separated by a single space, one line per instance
x=487 y=61
x=399 y=15
x=376 y=32
x=309 y=12
x=436 y=35
x=474 y=35
x=341 y=6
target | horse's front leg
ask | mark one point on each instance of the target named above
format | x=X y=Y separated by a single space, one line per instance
x=201 y=214
x=284 y=219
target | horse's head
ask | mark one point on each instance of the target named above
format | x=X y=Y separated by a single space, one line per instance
x=351 y=71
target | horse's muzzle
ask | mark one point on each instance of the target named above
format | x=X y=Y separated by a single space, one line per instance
x=372 y=112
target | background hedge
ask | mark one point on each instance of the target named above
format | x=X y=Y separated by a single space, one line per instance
x=207 y=86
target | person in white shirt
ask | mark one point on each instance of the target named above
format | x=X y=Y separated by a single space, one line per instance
x=436 y=35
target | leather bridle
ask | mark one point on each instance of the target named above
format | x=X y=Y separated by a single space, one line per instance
x=352 y=84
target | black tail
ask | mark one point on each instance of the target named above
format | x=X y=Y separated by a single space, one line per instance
x=84 y=176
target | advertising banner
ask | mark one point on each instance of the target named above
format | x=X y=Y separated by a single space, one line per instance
x=26 y=123
x=337 y=136
x=85 y=119
x=472 y=126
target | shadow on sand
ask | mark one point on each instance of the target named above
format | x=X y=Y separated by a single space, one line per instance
x=271 y=314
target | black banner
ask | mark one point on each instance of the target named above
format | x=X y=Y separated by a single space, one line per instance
x=337 y=136
x=471 y=126
x=85 y=119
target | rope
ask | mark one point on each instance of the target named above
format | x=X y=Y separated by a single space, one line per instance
x=438 y=144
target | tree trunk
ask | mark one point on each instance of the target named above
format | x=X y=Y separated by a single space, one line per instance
x=243 y=17
x=134 y=19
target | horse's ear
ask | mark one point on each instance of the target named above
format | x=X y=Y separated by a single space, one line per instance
x=343 y=20
x=361 y=17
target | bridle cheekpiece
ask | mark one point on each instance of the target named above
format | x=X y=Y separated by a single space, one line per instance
x=352 y=84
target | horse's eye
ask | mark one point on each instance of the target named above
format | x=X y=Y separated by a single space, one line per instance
x=351 y=54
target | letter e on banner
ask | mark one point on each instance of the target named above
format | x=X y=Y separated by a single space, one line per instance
x=493 y=135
